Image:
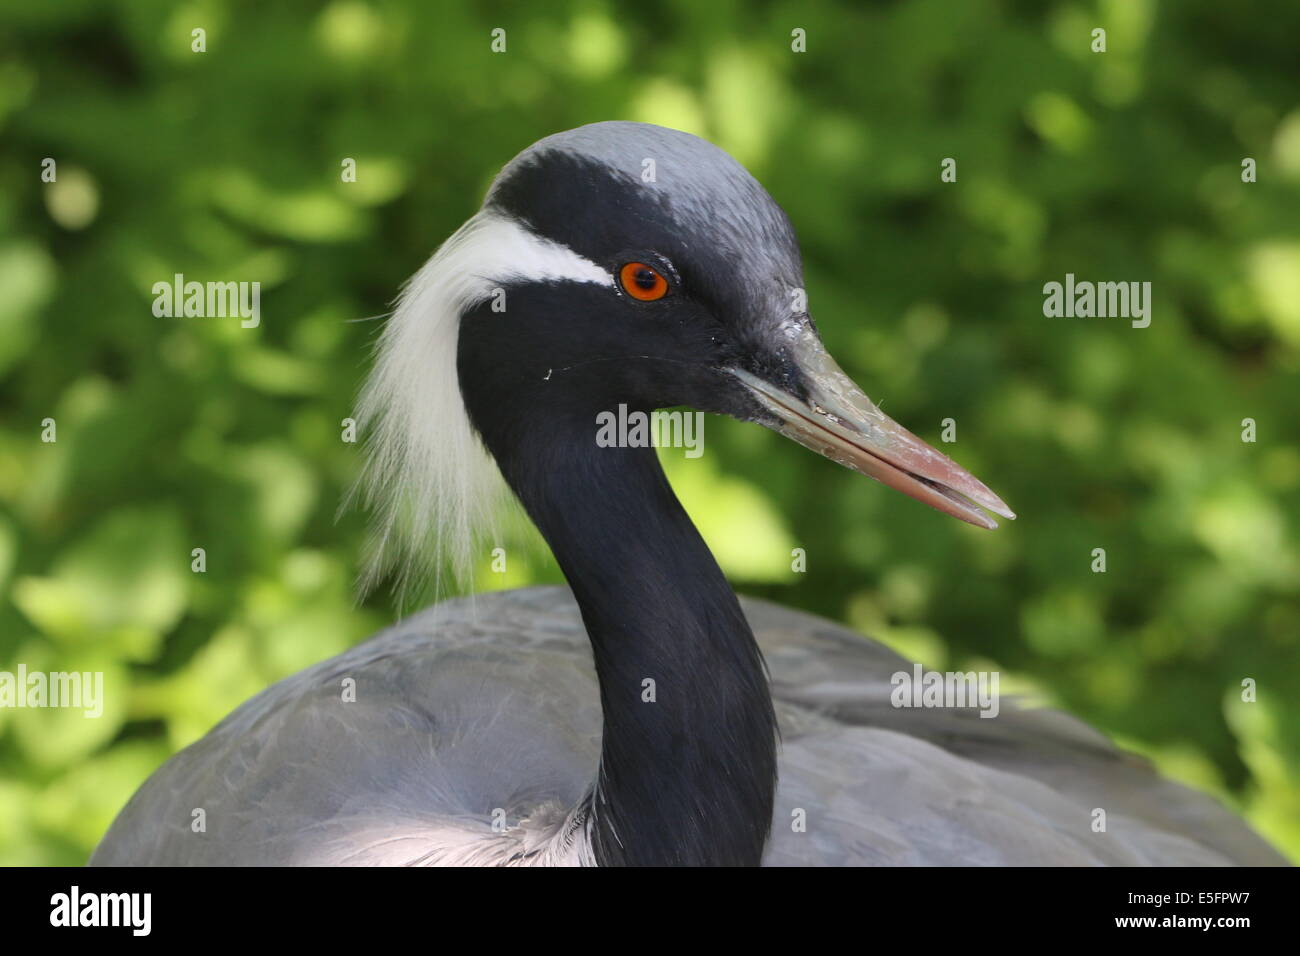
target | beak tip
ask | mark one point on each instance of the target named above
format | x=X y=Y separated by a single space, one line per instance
x=1003 y=511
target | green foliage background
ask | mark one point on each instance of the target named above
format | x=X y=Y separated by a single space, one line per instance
x=183 y=433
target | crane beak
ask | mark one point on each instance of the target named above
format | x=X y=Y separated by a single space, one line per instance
x=839 y=421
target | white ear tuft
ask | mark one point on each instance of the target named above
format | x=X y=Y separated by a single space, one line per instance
x=432 y=487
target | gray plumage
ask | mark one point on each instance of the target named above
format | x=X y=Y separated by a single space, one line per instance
x=706 y=191
x=491 y=704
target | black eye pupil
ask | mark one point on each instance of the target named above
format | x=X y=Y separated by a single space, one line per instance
x=645 y=279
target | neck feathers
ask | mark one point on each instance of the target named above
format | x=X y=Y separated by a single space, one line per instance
x=688 y=754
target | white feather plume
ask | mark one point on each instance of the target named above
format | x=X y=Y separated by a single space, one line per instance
x=432 y=488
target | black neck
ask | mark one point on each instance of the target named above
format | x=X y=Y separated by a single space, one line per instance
x=687 y=777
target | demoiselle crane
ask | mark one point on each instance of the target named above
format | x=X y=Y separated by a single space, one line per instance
x=516 y=728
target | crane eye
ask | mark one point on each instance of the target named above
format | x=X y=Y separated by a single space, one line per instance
x=640 y=281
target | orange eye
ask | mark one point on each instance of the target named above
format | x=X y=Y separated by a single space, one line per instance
x=642 y=282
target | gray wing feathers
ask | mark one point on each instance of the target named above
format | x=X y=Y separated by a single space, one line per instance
x=821 y=667
x=489 y=705
x=452 y=720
